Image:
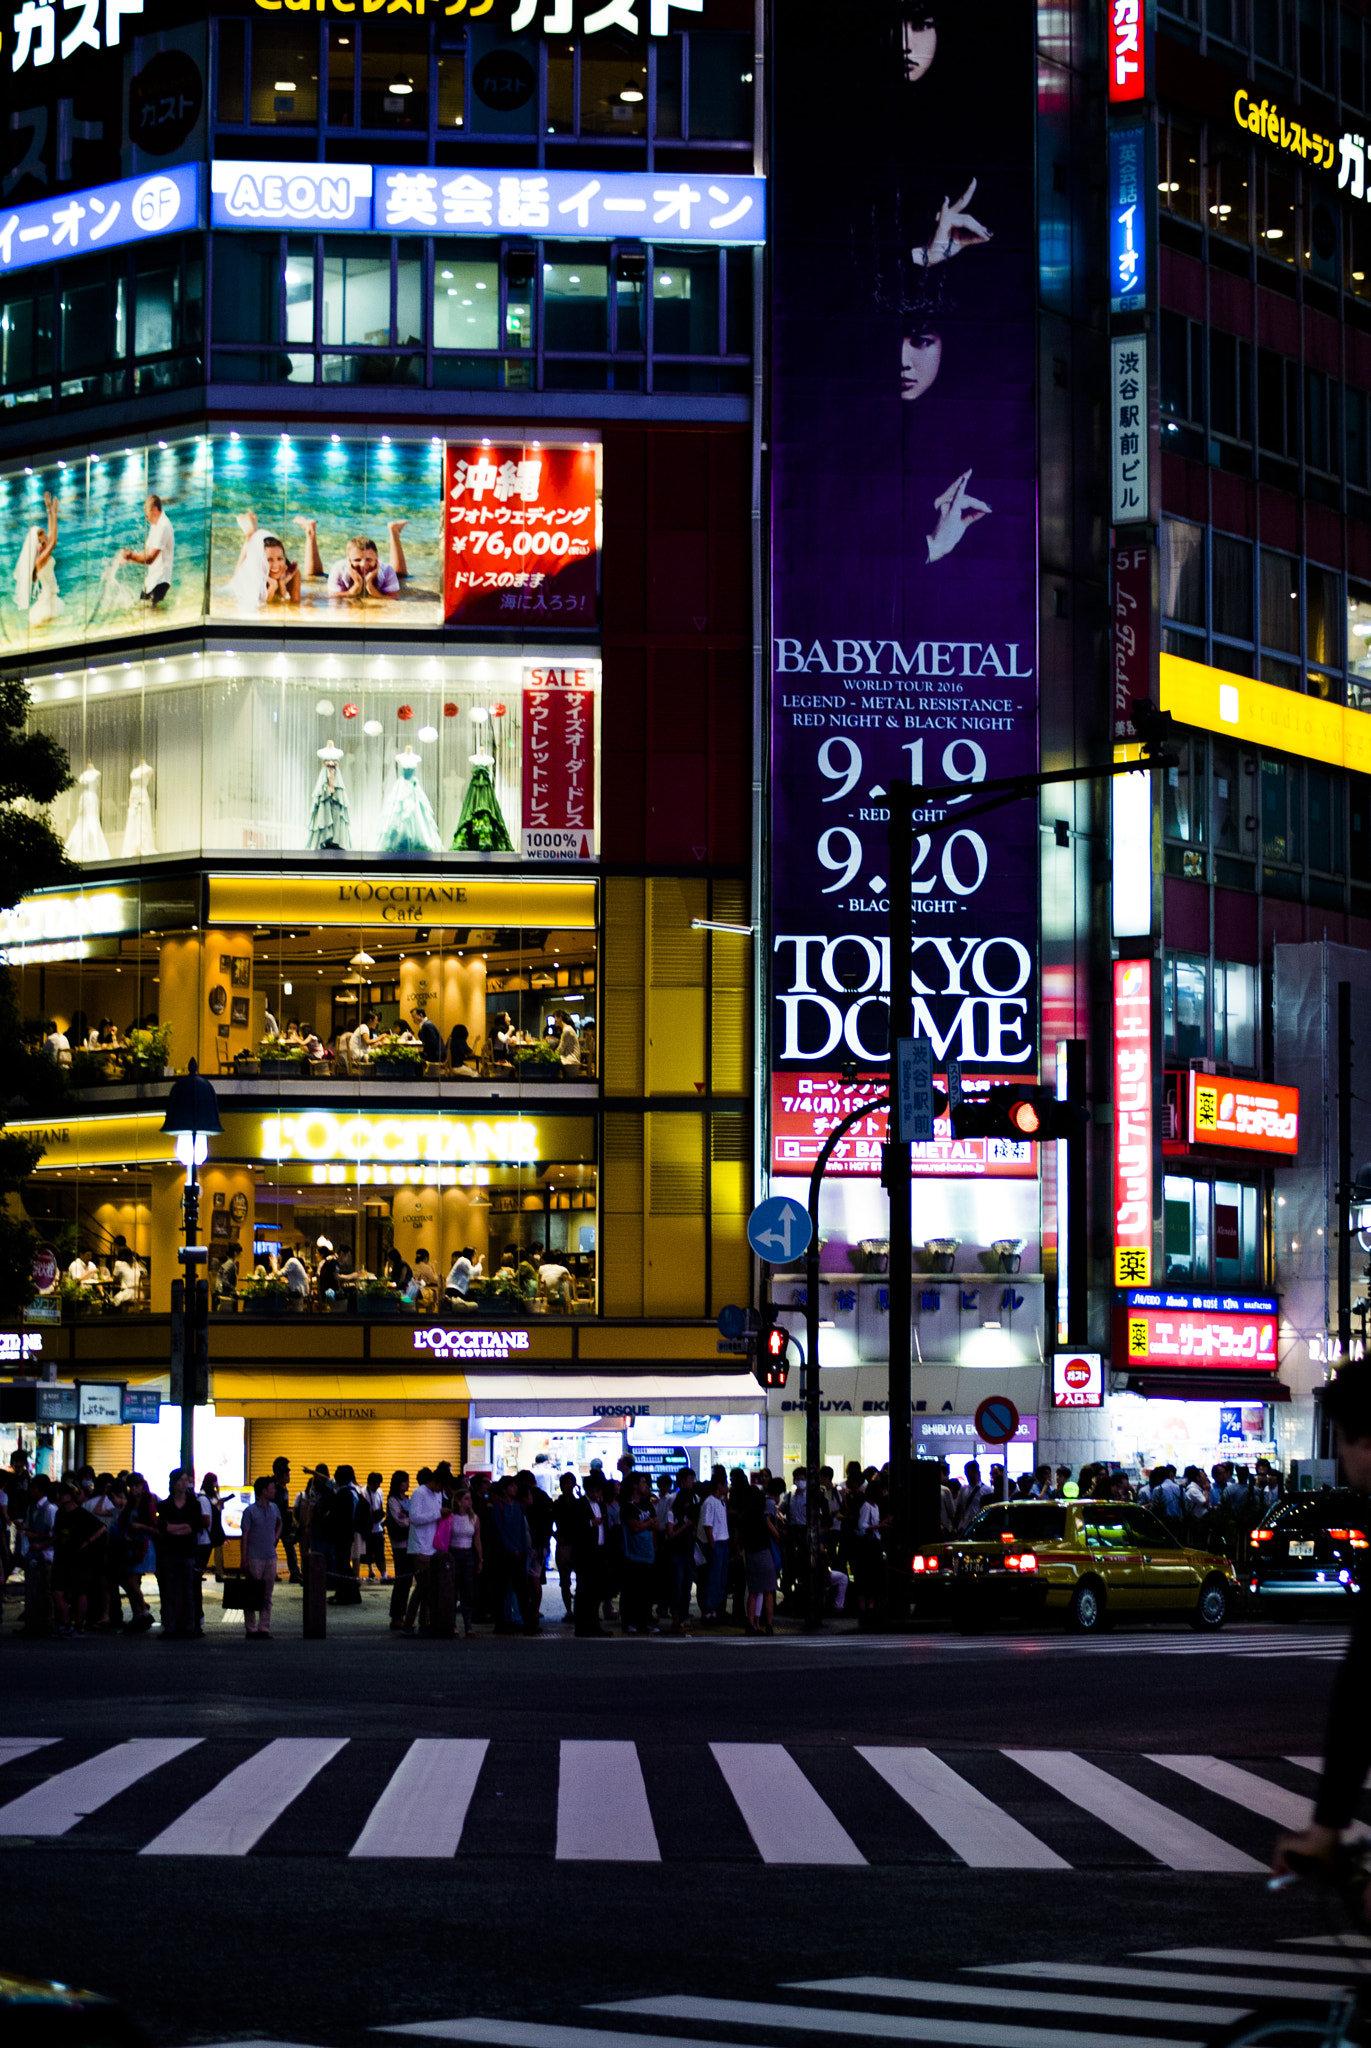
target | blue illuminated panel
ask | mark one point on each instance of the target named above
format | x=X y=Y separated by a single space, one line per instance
x=101 y=217
x=1127 y=220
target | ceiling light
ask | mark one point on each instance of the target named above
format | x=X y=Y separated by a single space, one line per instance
x=631 y=94
x=401 y=87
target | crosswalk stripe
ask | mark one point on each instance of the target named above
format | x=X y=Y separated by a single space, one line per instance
x=1244 y=1788
x=983 y=1834
x=920 y=1992
x=242 y=1806
x=1355 y=1941
x=892 y=2026
x=1164 y=1980
x=528 y=2034
x=12 y=1747
x=424 y=1807
x=1255 y=1959
x=1177 y=1842
x=785 y=1816
x=55 y=1806
x=1306 y=1763
x=602 y=1810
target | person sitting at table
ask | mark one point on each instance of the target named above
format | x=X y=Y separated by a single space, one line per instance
x=568 y=1043
x=329 y=1278
x=465 y=1268
x=315 y=1046
x=128 y=1275
x=294 y=1035
x=83 y=1271
x=459 y=1049
x=363 y=1034
x=502 y=1037
x=226 y=1280
x=554 y=1283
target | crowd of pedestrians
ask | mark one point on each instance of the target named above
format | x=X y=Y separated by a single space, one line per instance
x=645 y=1555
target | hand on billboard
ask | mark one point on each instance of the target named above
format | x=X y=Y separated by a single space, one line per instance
x=955 y=230
x=957 y=510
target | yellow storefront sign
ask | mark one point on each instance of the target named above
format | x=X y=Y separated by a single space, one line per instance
x=357 y=901
x=1262 y=715
x=351 y=1147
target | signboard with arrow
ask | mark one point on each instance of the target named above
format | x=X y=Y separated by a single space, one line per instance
x=779 y=1230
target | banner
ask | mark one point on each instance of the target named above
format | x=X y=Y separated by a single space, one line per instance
x=805 y=1108
x=904 y=566
x=521 y=544
x=559 y=764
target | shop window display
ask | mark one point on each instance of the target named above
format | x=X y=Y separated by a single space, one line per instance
x=265 y=750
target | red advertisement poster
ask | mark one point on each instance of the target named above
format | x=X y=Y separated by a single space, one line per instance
x=1246 y=1116
x=520 y=534
x=1132 y=1123
x=559 y=764
x=805 y=1107
x=1206 y=1339
x=1127 y=76
x=1130 y=633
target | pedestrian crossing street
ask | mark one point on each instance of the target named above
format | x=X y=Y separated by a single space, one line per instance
x=830 y=1805
x=1160 y=1998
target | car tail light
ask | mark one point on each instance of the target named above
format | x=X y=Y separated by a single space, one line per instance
x=1262 y=1535
x=1026 y=1563
x=925 y=1564
x=1341 y=1535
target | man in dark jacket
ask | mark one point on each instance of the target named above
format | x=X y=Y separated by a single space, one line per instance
x=345 y=1518
x=589 y=1536
x=429 y=1037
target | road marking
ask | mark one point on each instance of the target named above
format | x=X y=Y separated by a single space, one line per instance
x=894 y=2026
x=525 y=2034
x=1176 y=1842
x=1253 y=1959
x=1244 y=1788
x=1164 y=1980
x=424 y=1807
x=12 y=1747
x=55 y=1806
x=1307 y=1763
x=602 y=1810
x=233 y=1817
x=981 y=1833
x=784 y=1814
x=987 y=1995
x=1356 y=1941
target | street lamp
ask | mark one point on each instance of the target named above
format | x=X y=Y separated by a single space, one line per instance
x=192 y=1118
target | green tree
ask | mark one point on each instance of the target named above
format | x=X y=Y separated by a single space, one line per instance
x=34 y=771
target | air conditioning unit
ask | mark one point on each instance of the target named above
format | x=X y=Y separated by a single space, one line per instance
x=1203 y=1066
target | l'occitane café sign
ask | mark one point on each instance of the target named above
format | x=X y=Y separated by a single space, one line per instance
x=330 y=1147
x=367 y=900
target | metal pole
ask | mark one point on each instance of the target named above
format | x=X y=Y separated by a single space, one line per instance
x=1344 y=1170
x=897 y=1167
x=814 y=1605
x=192 y=1221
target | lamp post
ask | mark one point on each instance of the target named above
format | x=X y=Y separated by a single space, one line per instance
x=192 y=1118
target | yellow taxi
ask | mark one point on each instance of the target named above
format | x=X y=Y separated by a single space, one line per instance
x=1087 y=1562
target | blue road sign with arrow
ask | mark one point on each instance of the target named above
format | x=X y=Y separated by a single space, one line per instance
x=779 y=1230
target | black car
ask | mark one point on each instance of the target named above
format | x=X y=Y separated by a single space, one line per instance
x=1316 y=1547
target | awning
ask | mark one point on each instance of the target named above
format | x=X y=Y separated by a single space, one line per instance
x=604 y=1394
x=1228 y=1386
x=264 y=1395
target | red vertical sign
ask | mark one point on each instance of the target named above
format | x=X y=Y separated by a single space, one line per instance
x=1130 y=633
x=1132 y=1123
x=519 y=534
x=1127 y=73
x=559 y=764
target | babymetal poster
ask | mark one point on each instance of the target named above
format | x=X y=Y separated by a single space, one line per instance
x=904 y=565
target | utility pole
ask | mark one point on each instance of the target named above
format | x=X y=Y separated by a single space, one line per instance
x=897 y=1173
x=1344 y=1170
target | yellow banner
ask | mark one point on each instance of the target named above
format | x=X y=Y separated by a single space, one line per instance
x=400 y=900
x=320 y=1143
x=1263 y=715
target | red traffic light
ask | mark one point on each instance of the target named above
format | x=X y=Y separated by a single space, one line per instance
x=1025 y=1118
x=776 y=1342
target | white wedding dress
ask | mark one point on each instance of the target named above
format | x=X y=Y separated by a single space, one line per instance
x=138 y=830
x=86 y=840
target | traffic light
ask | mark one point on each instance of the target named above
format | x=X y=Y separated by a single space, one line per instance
x=1028 y=1114
x=771 y=1361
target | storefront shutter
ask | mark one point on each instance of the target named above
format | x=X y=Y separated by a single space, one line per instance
x=381 y=1446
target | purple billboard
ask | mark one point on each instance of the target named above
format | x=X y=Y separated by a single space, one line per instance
x=904 y=551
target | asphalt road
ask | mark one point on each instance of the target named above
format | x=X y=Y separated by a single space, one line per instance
x=774 y=1812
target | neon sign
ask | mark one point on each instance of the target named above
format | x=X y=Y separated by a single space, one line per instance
x=1132 y=1123
x=1127 y=73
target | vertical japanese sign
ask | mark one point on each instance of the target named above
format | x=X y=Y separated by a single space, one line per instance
x=559 y=764
x=1128 y=219
x=521 y=537
x=1132 y=1123
x=1130 y=633
x=1130 y=493
x=1127 y=51
x=904 y=565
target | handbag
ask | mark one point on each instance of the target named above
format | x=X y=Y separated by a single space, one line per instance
x=246 y=1594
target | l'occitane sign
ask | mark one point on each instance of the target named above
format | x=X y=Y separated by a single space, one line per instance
x=359 y=901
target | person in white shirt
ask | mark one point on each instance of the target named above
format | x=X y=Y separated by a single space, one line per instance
x=712 y=1551
x=83 y=1271
x=297 y=1282
x=465 y=1268
x=158 y=553
x=128 y=1276
x=425 y=1513
x=57 y=1046
x=554 y=1283
x=973 y=1497
x=569 y=1043
x=261 y=1533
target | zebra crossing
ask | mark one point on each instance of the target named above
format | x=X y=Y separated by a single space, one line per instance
x=823 y=1805
x=1159 y=1998
x=1323 y=1646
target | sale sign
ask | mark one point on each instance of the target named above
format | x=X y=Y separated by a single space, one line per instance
x=1078 y=1380
x=520 y=534
x=1132 y=1123
x=559 y=763
x=1245 y=1116
x=805 y=1108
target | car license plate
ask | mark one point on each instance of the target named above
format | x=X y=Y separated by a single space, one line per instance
x=1302 y=1549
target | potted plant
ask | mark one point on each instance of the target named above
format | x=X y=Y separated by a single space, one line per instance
x=503 y=1296
x=280 y=1061
x=265 y=1297
x=76 y=1300
x=92 y=1066
x=396 y=1059
x=538 y=1063
x=147 y=1054
x=377 y=1298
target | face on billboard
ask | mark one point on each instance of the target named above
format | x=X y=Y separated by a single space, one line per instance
x=904 y=533
x=290 y=529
